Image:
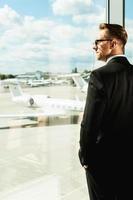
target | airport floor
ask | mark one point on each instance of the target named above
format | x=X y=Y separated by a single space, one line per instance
x=41 y=163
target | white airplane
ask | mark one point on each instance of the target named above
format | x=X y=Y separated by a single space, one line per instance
x=50 y=106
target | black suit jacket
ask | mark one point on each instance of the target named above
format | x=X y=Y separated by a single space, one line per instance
x=107 y=124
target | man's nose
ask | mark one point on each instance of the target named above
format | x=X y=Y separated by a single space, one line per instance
x=94 y=47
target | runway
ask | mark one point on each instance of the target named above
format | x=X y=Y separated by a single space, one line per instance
x=39 y=157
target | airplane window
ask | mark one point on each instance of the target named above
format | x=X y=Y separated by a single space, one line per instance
x=46 y=58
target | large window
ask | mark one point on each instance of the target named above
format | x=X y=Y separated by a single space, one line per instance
x=45 y=60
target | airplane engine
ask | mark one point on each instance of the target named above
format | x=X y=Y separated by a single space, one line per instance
x=31 y=101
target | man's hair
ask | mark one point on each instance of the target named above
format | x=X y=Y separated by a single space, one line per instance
x=115 y=31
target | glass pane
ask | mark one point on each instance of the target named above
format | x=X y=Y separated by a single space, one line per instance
x=129 y=28
x=45 y=60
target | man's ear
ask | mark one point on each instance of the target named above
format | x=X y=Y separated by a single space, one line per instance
x=113 y=43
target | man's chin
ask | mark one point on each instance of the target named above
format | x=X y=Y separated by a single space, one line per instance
x=98 y=57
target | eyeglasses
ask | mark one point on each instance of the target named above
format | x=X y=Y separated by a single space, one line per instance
x=98 y=41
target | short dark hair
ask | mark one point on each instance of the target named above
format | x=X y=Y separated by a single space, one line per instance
x=116 y=31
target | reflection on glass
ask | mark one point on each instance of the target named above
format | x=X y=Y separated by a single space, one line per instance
x=45 y=63
x=42 y=44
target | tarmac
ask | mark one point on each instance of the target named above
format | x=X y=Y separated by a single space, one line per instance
x=39 y=156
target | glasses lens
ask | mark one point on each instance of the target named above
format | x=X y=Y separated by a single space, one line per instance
x=97 y=41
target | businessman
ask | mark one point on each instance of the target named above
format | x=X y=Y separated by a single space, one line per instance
x=106 y=149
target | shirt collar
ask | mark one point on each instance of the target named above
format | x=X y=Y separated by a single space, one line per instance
x=110 y=58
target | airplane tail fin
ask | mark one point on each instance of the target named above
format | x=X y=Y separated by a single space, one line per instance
x=78 y=80
x=16 y=91
x=80 y=83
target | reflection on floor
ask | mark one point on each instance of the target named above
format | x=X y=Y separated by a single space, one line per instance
x=41 y=163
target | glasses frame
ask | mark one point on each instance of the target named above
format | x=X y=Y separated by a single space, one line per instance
x=101 y=40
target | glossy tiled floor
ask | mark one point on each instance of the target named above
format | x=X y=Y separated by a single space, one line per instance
x=41 y=163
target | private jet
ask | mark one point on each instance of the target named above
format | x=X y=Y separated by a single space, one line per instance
x=44 y=101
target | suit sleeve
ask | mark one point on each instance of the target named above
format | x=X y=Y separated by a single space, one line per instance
x=92 y=119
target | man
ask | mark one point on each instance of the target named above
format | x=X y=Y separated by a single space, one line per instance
x=106 y=149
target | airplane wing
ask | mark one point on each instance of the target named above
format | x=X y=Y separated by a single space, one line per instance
x=28 y=115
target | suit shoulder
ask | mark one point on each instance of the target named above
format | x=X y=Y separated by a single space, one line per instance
x=96 y=77
x=110 y=69
x=101 y=71
x=105 y=69
x=106 y=73
x=115 y=65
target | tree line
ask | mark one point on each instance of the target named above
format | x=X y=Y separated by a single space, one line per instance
x=6 y=76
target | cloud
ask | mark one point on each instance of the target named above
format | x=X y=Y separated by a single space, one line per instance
x=23 y=41
x=29 y=44
x=8 y=16
x=82 y=11
x=70 y=7
x=90 y=19
x=49 y=44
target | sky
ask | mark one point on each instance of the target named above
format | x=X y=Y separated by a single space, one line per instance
x=49 y=35
x=128 y=9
